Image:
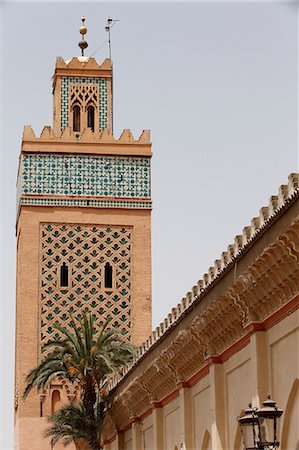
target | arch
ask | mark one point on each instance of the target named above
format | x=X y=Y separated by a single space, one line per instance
x=55 y=403
x=76 y=118
x=90 y=116
x=289 y=412
x=206 y=442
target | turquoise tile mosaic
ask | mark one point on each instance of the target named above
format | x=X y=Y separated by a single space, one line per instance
x=99 y=176
x=66 y=81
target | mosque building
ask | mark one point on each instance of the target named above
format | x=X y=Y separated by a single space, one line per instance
x=84 y=240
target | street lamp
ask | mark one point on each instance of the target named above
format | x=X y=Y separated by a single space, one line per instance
x=259 y=427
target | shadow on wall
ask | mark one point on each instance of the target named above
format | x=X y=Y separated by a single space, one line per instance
x=289 y=435
x=238 y=439
x=206 y=442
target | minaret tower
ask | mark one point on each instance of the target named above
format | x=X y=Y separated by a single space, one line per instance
x=83 y=230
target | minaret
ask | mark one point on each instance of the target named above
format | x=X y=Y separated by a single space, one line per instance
x=83 y=230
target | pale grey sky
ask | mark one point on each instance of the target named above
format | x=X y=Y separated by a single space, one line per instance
x=217 y=84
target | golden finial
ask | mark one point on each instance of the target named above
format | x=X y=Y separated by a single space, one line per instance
x=83 y=30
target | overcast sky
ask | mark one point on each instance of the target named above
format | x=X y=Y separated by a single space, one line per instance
x=216 y=83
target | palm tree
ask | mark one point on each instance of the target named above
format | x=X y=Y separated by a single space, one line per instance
x=87 y=358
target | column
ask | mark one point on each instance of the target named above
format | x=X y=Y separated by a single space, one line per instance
x=158 y=435
x=218 y=433
x=260 y=366
x=186 y=419
x=120 y=441
x=136 y=435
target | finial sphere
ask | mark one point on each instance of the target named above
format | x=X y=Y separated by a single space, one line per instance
x=83 y=44
x=83 y=30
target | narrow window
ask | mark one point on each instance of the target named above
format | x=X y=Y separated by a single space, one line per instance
x=90 y=117
x=108 y=275
x=76 y=118
x=55 y=401
x=41 y=407
x=64 y=275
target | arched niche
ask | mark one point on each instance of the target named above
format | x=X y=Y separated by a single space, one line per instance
x=55 y=401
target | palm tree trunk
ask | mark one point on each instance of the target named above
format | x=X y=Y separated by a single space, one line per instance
x=89 y=400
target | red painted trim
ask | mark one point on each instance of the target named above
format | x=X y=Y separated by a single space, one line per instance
x=198 y=376
x=234 y=348
x=156 y=405
x=183 y=385
x=170 y=397
x=275 y=318
x=127 y=427
x=147 y=413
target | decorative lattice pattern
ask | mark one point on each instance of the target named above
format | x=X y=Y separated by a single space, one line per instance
x=96 y=81
x=84 y=94
x=100 y=176
x=85 y=250
x=37 y=201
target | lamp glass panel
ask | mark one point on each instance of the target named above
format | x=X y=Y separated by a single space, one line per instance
x=248 y=436
x=266 y=430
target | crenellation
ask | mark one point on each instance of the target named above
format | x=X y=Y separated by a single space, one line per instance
x=284 y=192
x=126 y=136
x=217 y=266
x=255 y=225
x=294 y=181
x=195 y=291
x=238 y=243
x=273 y=205
x=264 y=215
x=205 y=280
x=211 y=273
x=67 y=135
x=145 y=136
x=200 y=286
x=28 y=133
x=47 y=133
x=174 y=313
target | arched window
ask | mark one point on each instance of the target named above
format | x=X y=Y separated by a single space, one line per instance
x=108 y=275
x=90 y=117
x=55 y=400
x=64 y=275
x=76 y=118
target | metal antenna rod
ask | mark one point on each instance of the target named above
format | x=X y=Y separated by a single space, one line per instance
x=109 y=25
